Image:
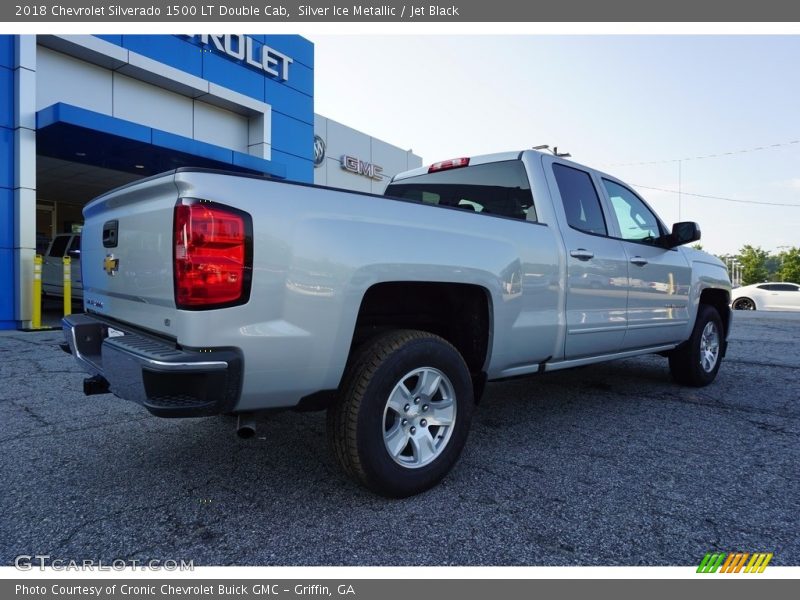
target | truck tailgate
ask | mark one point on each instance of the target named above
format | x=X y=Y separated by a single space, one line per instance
x=127 y=251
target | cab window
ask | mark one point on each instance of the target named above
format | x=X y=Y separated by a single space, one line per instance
x=581 y=203
x=636 y=221
x=499 y=189
x=59 y=247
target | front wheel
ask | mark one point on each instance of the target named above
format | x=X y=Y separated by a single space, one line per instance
x=697 y=361
x=403 y=413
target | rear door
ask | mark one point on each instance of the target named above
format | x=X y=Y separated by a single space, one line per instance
x=597 y=267
x=659 y=278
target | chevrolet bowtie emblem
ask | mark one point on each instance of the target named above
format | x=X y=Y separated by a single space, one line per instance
x=111 y=265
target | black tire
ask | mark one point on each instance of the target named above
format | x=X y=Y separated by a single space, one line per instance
x=744 y=304
x=357 y=421
x=686 y=361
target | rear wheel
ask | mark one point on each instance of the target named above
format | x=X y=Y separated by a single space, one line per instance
x=697 y=361
x=744 y=304
x=403 y=414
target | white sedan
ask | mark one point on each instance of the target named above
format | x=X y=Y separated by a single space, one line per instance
x=766 y=296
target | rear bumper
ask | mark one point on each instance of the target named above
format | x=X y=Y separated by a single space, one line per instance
x=167 y=380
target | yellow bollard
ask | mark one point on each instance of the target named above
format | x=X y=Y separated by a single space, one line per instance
x=67 y=286
x=36 y=319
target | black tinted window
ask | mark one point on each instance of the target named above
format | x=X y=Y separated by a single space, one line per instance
x=75 y=245
x=499 y=188
x=784 y=287
x=581 y=203
x=59 y=247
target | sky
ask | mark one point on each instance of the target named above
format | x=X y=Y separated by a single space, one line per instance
x=608 y=100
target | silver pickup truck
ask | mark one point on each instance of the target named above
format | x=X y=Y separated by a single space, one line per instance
x=217 y=293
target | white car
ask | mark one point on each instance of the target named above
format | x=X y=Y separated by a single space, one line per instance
x=766 y=296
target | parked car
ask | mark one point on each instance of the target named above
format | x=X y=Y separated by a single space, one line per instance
x=211 y=292
x=64 y=244
x=767 y=296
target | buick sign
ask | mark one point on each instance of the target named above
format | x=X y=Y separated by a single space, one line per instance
x=319 y=151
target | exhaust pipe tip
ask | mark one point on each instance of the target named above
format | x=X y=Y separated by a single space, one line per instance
x=95 y=385
x=245 y=427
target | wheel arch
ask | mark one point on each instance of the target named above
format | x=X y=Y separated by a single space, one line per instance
x=720 y=300
x=458 y=312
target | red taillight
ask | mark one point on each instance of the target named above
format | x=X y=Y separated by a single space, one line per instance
x=212 y=255
x=453 y=163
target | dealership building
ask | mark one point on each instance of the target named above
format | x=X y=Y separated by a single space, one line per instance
x=83 y=114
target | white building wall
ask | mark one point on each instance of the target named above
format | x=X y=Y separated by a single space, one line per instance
x=151 y=106
x=117 y=95
x=56 y=77
x=221 y=127
x=342 y=140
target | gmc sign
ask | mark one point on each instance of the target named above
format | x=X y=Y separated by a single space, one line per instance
x=359 y=167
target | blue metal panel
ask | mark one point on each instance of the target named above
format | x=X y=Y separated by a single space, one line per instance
x=114 y=39
x=178 y=52
x=292 y=136
x=289 y=102
x=7 y=51
x=6 y=97
x=247 y=161
x=301 y=78
x=66 y=113
x=6 y=220
x=297 y=169
x=193 y=147
x=6 y=158
x=7 y=296
x=300 y=49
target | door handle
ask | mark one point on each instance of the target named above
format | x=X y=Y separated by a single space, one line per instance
x=582 y=254
x=639 y=261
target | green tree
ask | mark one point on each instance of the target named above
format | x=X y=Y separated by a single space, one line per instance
x=754 y=264
x=773 y=266
x=790 y=265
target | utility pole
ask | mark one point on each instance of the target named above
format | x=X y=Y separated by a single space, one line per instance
x=680 y=168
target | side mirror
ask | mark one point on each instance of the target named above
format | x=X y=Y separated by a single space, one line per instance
x=684 y=232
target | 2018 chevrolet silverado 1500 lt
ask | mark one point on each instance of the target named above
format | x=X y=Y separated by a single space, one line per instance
x=211 y=292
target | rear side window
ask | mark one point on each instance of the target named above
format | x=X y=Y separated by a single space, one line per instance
x=581 y=203
x=499 y=189
x=59 y=247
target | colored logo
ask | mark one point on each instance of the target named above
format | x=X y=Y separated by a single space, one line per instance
x=734 y=562
x=111 y=265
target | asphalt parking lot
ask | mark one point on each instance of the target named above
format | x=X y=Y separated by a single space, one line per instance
x=606 y=465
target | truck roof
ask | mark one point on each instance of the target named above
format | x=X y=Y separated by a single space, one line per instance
x=473 y=160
